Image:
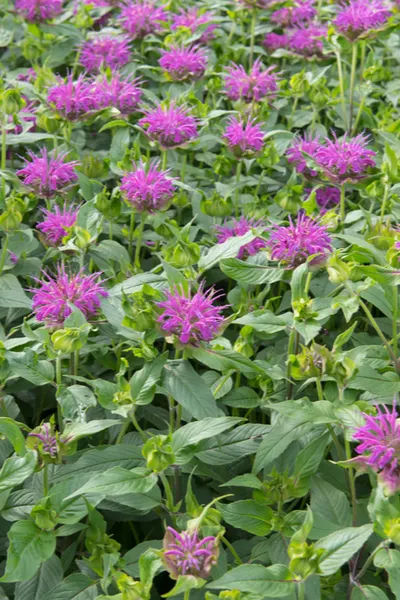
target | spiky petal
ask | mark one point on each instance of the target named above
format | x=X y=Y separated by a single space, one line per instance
x=105 y=51
x=275 y=41
x=192 y=19
x=74 y=99
x=302 y=11
x=39 y=10
x=259 y=83
x=186 y=553
x=347 y=159
x=118 y=92
x=48 y=174
x=184 y=64
x=192 y=318
x=295 y=243
x=170 y=126
x=327 y=197
x=359 y=17
x=244 y=138
x=239 y=227
x=307 y=39
x=142 y=18
x=298 y=151
x=56 y=224
x=148 y=189
x=55 y=294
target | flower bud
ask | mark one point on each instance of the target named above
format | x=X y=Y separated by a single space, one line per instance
x=12 y=102
x=158 y=453
x=67 y=340
x=82 y=237
x=392 y=530
x=338 y=271
x=10 y=220
x=216 y=206
x=49 y=123
x=131 y=589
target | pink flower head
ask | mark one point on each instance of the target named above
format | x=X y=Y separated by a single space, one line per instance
x=187 y=554
x=192 y=19
x=142 y=18
x=240 y=227
x=295 y=243
x=148 y=189
x=170 y=126
x=39 y=10
x=120 y=93
x=361 y=16
x=192 y=318
x=47 y=438
x=184 y=64
x=380 y=446
x=326 y=197
x=301 y=12
x=345 y=160
x=48 y=174
x=26 y=118
x=244 y=138
x=306 y=40
x=105 y=51
x=56 y=224
x=296 y=154
x=253 y=86
x=53 y=298
x=28 y=75
x=74 y=99
x=275 y=41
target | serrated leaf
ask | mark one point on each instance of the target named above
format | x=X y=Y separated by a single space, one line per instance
x=341 y=546
x=270 y=582
x=248 y=515
x=16 y=469
x=49 y=575
x=116 y=482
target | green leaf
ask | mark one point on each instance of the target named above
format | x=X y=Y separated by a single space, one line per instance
x=389 y=559
x=28 y=366
x=149 y=563
x=330 y=507
x=309 y=458
x=16 y=469
x=75 y=587
x=75 y=400
x=228 y=249
x=344 y=337
x=131 y=558
x=278 y=439
x=116 y=482
x=233 y=446
x=264 y=321
x=247 y=480
x=29 y=547
x=143 y=382
x=50 y=574
x=186 y=386
x=184 y=583
x=135 y=284
x=341 y=546
x=270 y=582
x=298 y=282
x=224 y=360
x=192 y=433
x=11 y=430
x=75 y=431
x=248 y=515
x=12 y=294
x=249 y=273
x=368 y=592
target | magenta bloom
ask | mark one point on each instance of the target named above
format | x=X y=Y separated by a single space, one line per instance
x=186 y=554
x=48 y=175
x=243 y=138
x=253 y=86
x=326 y=197
x=26 y=118
x=142 y=18
x=184 y=64
x=148 y=189
x=74 y=99
x=380 y=446
x=53 y=298
x=56 y=224
x=296 y=242
x=306 y=40
x=296 y=154
x=49 y=441
x=360 y=16
x=120 y=93
x=192 y=19
x=275 y=41
x=345 y=160
x=303 y=11
x=240 y=227
x=193 y=319
x=105 y=51
x=170 y=126
x=39 y=10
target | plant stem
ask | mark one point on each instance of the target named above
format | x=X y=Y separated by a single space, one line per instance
x=186 y=595
x=171 y=408
x=352 y=484
x=292 y=338
x=140 y=230
x=308 y=283
x=164 y=154
x=4 y=253
x=123 y=431
x=232 y=550
x=131 y=230
x=3 y=154
x=252 y=35
x=238 y=173
x=341 y=87
x=45 y=480
x=352 y=82
x=300 y=591
x=168 y=492
x=394 y=321
x=370 y=559
x=384 y=202
x=378 y=330
x=319 y=389
x=138 y=428
x=59 y=382
x=342 y=204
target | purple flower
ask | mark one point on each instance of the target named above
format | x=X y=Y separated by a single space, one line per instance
x=46 y=174
x=39 y=10
x=294 y=243
x=192 y=318
x=305 y=40
x=360 y=16
x=187 y=554
x=303 y=11
x=275 y=41
x=170 y=126
x=47 y=439
x=56 y=224
x=74 y=99
x=120 y=93
x=184 y=64
x=53 y=298
x=380 y=446
x=148 y=189
x=105 y=51
x=142 y=18
x=192 y=19
x=244 y=138
x=253 y=86
x=326 y=197
x=240 y=227
x=26 y=116
x=296 y=154
x=345 y=160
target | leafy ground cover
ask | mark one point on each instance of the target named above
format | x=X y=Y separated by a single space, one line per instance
x=199 y=263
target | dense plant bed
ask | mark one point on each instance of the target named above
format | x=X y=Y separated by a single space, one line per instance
x=199 y=263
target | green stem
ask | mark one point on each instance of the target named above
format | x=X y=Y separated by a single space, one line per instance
x=384 y=202
x=370 y=559
x=140 y=431
x=59 y=382
x=319 y=389
x=237 y=201
x=131 y=230
x=164 y=154
x=110 y=230
x=378 y=330
x=394 y=319
x=352 y=82
x=336 y=442
x=140 y=230
x=352 y=484
x=292 y=338
x=300 y=591
x=308 y=283
x=168 y=492
x=341 y=87
x=4 y=153
x=4 y=253
x=186 y=595
x=294 y=107
x=232 y=550
x=58 y=370
x=45 y=481
x=252 y=35
x=123 y=431
x=342 y=204
x=359 y=113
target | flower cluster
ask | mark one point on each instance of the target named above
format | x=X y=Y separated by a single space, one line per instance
x=53 y=297
x=186 y=553
x=148 y=189
x=243 y=138
x=170 y=126
x=47 y=439
x=191 y=318
x=142 y=18
x=193 y=19
x=105 y=51
x=56 y=224
x=359 y=17
x=301 y=12
x=254 y=86
x=295 y=243
x=304 y=39
x=73 y=100
x=39 y=10
x=184 y=64
x=345 y=160
x=380 y=446
x=48 y=174
x=327 y=197
x=298 y=151
x=238 y=228
x=120 y=93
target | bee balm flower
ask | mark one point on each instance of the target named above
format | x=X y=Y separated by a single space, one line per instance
x=244 y=138
x=56 y=224
x=192 y=19
x=105 y=51
x=186 y=553
x=147 y=189
x=170 y=126
x=360 y=16
x=298 y=151
x=347 y=159
x=142 y=18
x=184 y=64
x=39 y=10
x=240 y=227
x=74 y=99
x=48 y=175
x=253 y=86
